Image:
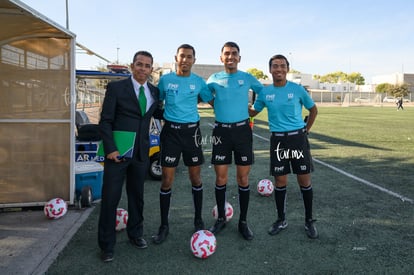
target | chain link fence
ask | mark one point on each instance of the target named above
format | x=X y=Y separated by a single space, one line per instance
x=352 y=98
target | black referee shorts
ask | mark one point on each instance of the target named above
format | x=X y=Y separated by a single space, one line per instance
x=290 y=151
x=232 y=137
x=181 y=138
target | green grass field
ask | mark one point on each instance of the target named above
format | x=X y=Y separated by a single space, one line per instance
x=363 y=203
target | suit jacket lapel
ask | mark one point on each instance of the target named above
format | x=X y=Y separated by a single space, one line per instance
x=130 y=90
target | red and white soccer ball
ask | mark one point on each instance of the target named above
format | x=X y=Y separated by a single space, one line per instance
x=203 y=244
x=55 y=208
x=121 y=219
x=265 y=187
x=229 y=211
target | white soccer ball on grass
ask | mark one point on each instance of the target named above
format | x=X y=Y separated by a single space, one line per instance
x=203 y=244
x=121 y=219
x=228 y=211
x=265 y=187
x=55 y=208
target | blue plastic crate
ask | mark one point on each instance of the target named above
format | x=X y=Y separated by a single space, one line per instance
x=89 y=173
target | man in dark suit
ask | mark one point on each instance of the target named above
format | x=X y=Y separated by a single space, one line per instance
x=129 y=105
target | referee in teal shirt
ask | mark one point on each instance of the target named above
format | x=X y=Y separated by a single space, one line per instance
x=181 y=135
x=232 y=133
x=289 y=145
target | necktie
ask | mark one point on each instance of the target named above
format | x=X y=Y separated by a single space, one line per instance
x=142 y=100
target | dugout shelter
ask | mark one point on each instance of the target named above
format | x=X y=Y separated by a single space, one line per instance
x=37 y=107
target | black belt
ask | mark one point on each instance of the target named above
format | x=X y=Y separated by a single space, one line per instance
x=174 y=125
x=231 y=125
x=285 y=134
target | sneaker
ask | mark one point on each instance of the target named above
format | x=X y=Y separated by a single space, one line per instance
x=218 y=226
x=245 y=231
x=311 y=229
x=198 y=225
x=278 y=226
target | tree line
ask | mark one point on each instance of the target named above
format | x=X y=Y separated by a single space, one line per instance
x=341 y=77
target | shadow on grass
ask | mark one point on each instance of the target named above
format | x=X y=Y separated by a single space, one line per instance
x=341 y=142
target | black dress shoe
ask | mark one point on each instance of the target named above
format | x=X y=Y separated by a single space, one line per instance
x=107 y=256
x=245 y=231
x=218 y=226
x=138 y=242
x=162 y=234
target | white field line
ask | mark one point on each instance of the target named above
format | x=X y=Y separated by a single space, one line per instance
x=389 y=192
x=370 y=184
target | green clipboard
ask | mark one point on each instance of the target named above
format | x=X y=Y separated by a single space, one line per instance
x=124 y=142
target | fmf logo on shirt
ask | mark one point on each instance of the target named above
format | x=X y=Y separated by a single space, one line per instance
x=223 y=82
x=270 y=98
x=290 y=96
x=172 y=86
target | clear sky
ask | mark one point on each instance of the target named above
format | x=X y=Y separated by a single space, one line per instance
x=371 y=37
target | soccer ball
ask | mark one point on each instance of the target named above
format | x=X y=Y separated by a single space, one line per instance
x=229 y=211
x=265 y=187
x=121 y=219
x=203 y=244
x=55 y=208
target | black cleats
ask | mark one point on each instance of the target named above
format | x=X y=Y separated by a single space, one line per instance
x=218 y=226
x=198 y=225
x=245 y=231
x=278 y=226
x=162 y=234
x=310 y=229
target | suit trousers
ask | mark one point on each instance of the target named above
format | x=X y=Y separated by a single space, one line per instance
x=133 y=173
